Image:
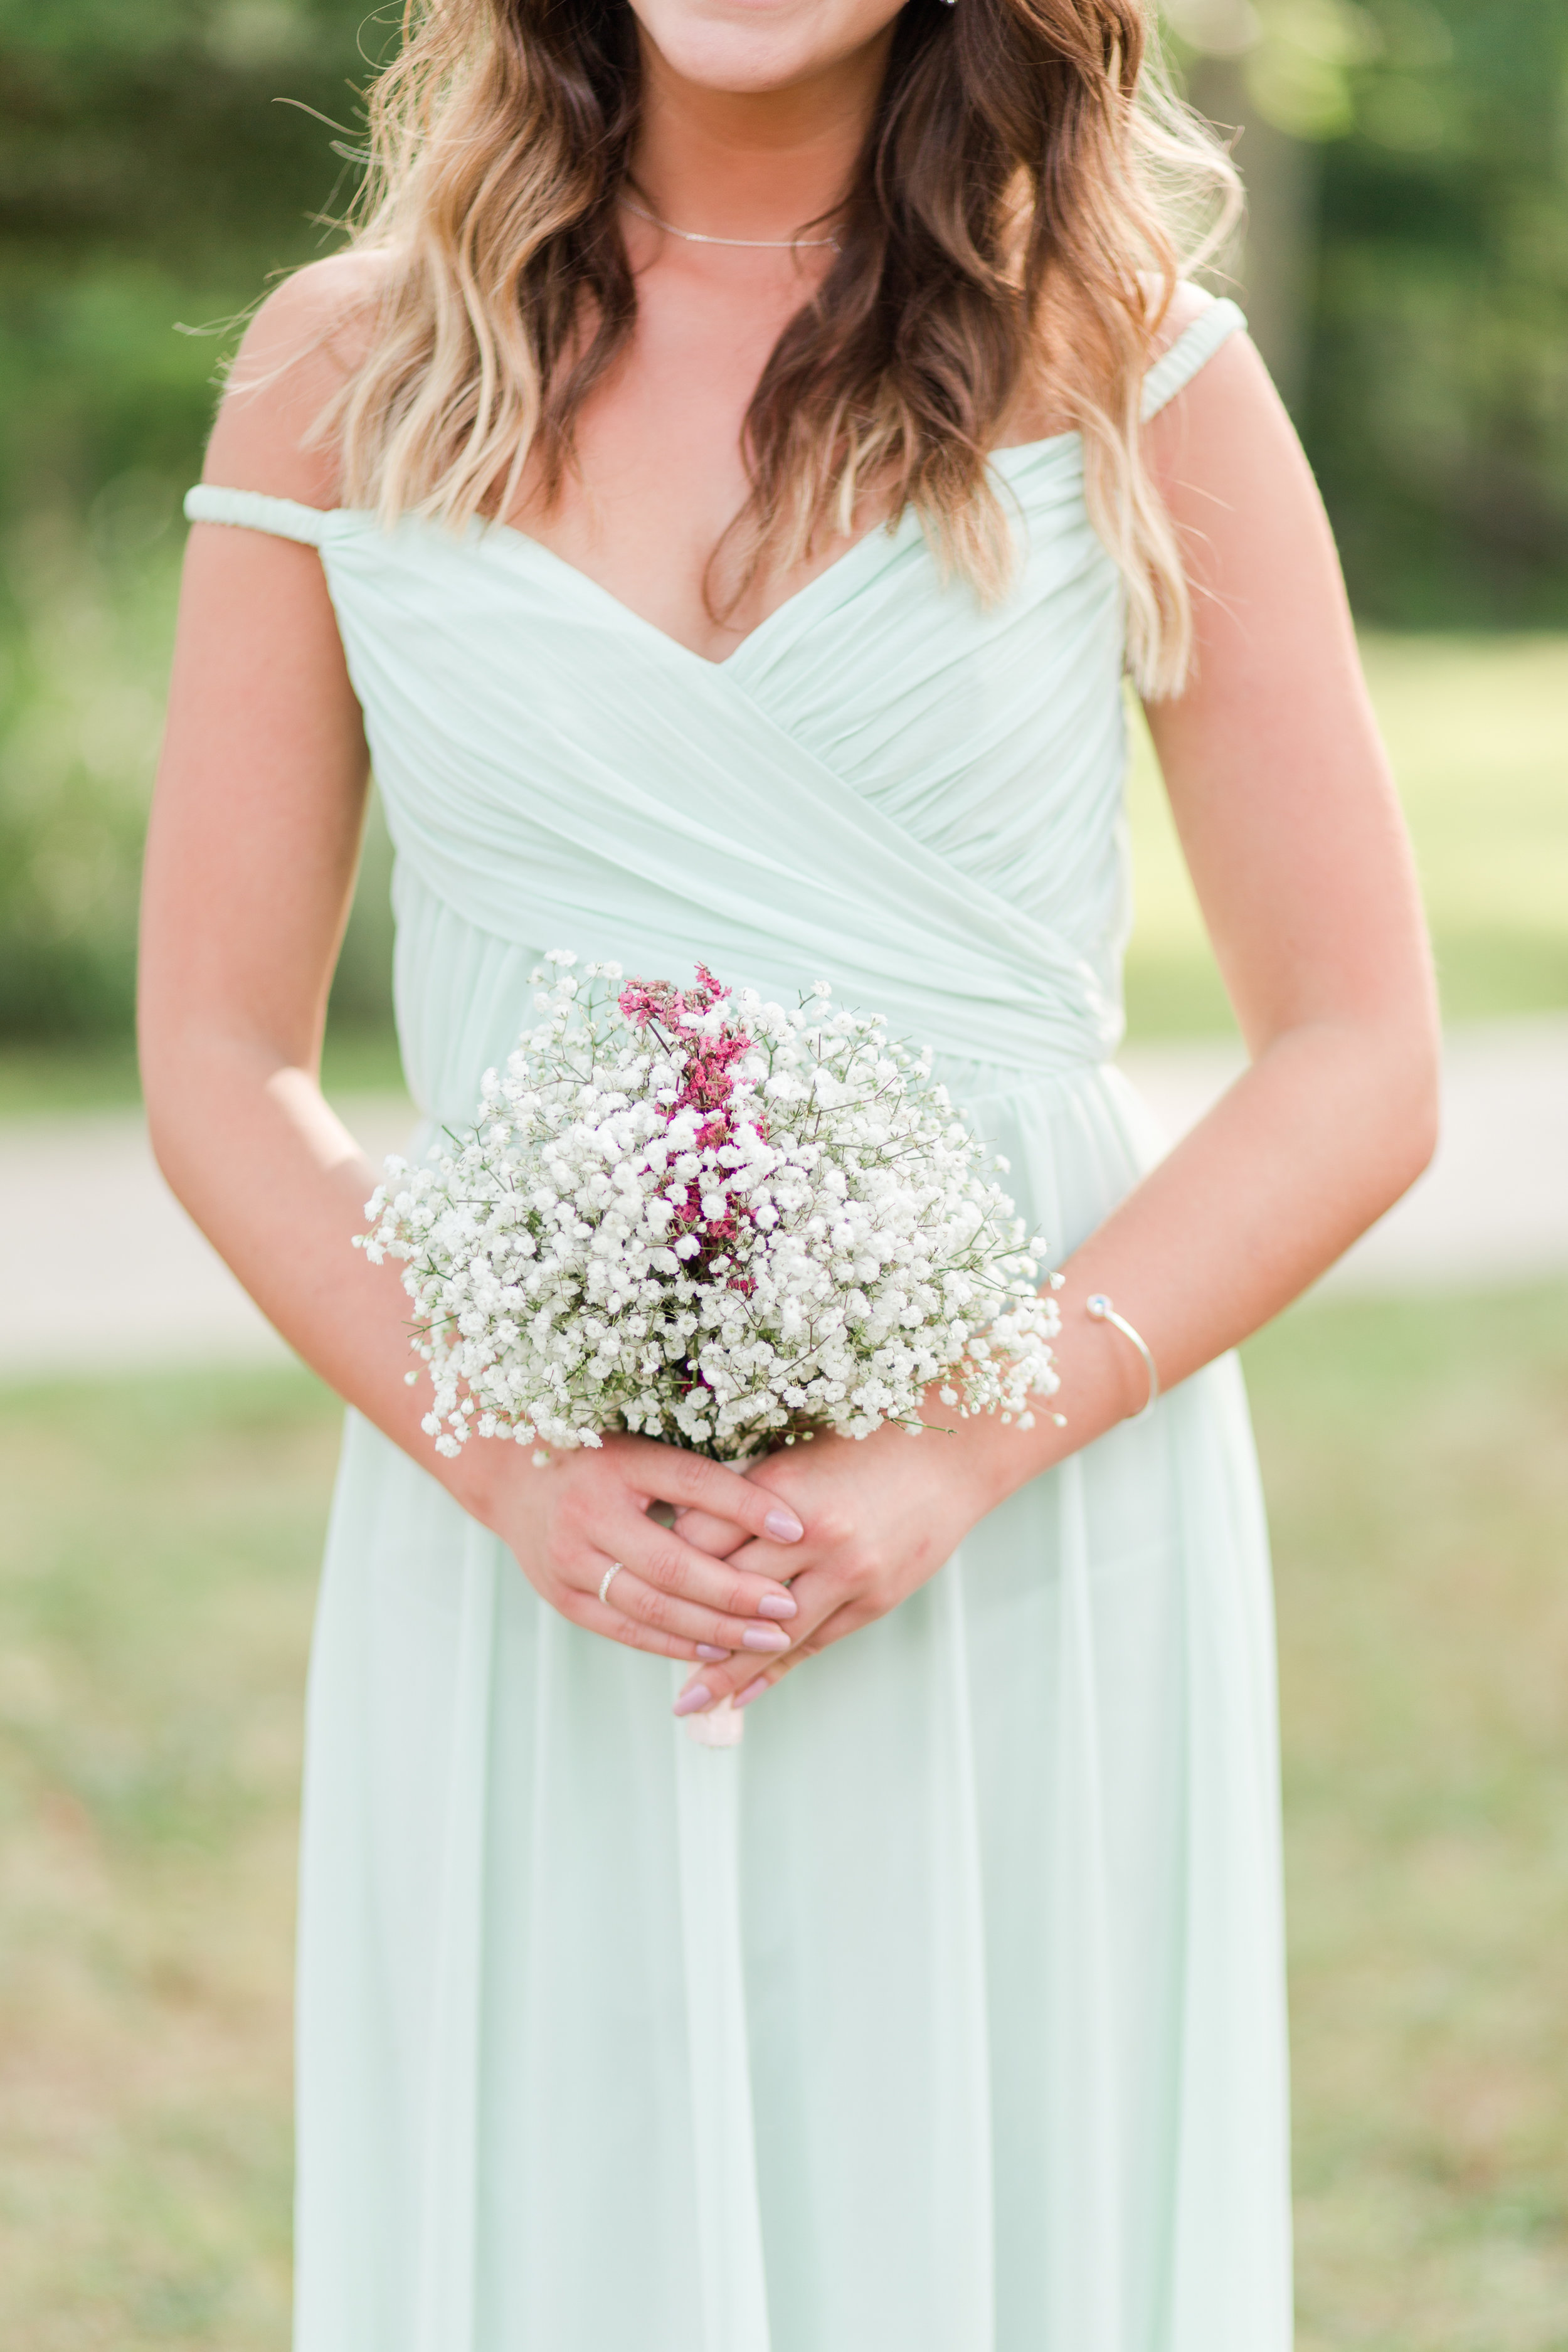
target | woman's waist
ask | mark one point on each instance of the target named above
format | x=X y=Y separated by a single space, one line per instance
x=996 y=1014
x=467 y=993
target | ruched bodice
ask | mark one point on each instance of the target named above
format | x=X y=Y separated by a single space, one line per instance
x=888 y=784
x=943 y=2015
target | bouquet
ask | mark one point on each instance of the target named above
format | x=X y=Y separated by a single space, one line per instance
x=713 y=1221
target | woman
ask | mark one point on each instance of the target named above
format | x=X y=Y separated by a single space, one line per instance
x=722 y=487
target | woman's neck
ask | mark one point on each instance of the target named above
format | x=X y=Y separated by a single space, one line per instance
x=762 y=164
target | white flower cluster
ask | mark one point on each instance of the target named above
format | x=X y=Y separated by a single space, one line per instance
x=716 y=1222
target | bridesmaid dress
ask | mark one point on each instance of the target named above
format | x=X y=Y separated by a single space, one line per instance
x=945 y=2013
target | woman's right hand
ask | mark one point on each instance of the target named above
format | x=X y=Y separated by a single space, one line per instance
x=566 y=1522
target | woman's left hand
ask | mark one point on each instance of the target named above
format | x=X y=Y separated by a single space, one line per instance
x=881 y=1514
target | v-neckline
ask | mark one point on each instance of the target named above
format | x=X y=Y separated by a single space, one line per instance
x=629 y=614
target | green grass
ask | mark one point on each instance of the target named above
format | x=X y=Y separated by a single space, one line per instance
x=155 y=1577
x=156 y=1563
x=1417 y=1458
x=1478 y=731
x=39 y=1080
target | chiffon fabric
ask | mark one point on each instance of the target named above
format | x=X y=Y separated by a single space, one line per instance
x=944 y=2014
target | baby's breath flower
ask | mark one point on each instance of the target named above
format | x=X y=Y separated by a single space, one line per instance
x=715 y=1221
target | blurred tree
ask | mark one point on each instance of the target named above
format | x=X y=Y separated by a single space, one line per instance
x=148 y=175
x=1272 y=76
x=1406 y=267
x=1406 y=270
x=1437 y=406
x=145 y=124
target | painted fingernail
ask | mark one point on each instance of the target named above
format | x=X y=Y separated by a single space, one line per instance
x=689 y=1701
x=783 y=1527
x=751 y=1691
x=714 y=1657
x=777 y=1604
x=765 y=1637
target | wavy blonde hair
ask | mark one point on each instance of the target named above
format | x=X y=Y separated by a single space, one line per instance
x=1027 y=198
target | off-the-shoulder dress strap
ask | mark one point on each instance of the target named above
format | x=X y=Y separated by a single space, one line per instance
x=1193 y=346
x=284 y=518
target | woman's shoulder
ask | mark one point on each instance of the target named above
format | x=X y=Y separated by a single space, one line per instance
x=1204 y=370
x=301 y=348
x=1215 y=421
x=1188 y=303
x=1171 y=313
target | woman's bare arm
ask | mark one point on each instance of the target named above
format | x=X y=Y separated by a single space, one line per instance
x=250 y=863
x=1292 y=832
x=1288 y=816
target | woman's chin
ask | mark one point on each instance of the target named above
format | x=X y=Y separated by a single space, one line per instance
x=750 y=47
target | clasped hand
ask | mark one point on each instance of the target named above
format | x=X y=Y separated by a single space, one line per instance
x=727 y=1569
x=597 y=1509
x=880 y=1514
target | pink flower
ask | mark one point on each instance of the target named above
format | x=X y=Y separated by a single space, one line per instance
x=706 y=1085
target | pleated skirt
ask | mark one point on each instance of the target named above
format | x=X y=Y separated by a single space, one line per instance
x=944 y=2014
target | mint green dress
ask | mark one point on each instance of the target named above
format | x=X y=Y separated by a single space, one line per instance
x=945 y=2013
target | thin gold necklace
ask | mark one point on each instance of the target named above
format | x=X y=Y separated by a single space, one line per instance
x=751 y=243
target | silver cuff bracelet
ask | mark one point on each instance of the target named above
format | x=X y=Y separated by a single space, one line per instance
x=1101 y=1310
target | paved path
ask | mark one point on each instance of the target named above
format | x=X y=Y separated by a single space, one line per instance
x=99 y=1267
x=100 y=1270
x=1493 y=1206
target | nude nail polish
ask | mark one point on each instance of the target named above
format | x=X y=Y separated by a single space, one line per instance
x=765 y=1637
x=689 y=1701
x=783 y=1527
x=777 y=1604
x=714 y=1657
x=751 y=1691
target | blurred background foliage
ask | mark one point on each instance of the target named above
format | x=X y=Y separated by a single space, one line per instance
x=1405 y=268
x=1408 y=165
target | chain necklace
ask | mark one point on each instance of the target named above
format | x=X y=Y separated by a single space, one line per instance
x=751 y=243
